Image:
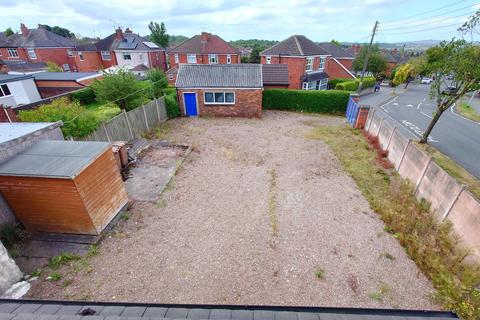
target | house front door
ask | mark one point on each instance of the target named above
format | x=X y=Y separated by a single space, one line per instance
x=190 y=100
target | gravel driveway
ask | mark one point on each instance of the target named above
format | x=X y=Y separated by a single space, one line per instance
x=258 y=214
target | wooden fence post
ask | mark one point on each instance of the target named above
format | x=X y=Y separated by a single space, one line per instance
x=128 y=124
x=145 y=117
x=106 y=132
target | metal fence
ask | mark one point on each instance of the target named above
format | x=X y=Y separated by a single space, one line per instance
x=132 y=124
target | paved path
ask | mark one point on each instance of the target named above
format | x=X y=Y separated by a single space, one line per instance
x=255 y=212
x=454 y=135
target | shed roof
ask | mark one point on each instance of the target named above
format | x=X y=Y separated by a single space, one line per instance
x=53 y=159
x=14 y=130
x=5 y=78
x=219 y=76
x=275 y=74
x=65 y=76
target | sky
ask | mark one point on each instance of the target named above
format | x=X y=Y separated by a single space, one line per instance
x=320 y=20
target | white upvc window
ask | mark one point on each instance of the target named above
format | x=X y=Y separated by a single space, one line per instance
x=106 y=55
x=66 y=67
x=176 y=57
x=212 y=59
x=227 y=97
x=126 y=56
x=229 y=59
x=305 y=86
x=170 y=77
x=191 y=58
x=323 y=84
x=31 y=53
x=321 y=66
x=80 y=55
x=309 y=64
x=69 y=52
x=268 y=59
x=12 y=53
x=4 y=91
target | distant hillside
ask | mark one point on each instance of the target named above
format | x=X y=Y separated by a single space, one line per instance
x=252 y=43
x=409 y=45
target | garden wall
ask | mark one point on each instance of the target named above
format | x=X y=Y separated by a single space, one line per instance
x=449 y=199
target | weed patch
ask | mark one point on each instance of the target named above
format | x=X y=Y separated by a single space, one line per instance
x=272 y=202
x=56 y=262
x=320 y=273
x=467 y=111
x=432 y=245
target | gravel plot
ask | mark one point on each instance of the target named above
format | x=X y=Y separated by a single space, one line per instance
x=258 y=214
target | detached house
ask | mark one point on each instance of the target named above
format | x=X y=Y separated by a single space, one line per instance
x=38 y=45
x=306 y=62
x=339 y=61
x=205 y=48
x=122 y=49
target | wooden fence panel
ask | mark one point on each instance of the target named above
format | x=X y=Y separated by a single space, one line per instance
x=117 y=128
x=152 y=115
x=137 y=121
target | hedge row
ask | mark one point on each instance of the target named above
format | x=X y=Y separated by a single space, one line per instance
x=352 y=85
x=84 y=96
x=333 y=82
x=171 y=104
x=330 y=101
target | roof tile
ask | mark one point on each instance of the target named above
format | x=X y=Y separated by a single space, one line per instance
x=219 y=76
x=213 y=44
x=296 y=45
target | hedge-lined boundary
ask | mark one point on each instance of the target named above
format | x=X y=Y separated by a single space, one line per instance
x=352 y=85
x=331 y=101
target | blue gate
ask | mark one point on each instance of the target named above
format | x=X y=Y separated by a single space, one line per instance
x=352 y=111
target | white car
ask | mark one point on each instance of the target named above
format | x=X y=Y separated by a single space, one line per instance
x=426 y=80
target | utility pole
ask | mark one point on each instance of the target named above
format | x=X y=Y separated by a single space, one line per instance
x=365 y=63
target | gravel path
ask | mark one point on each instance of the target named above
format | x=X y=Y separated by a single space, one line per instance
x=258 y=214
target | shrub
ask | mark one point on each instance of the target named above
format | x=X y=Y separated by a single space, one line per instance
x=159 y=81
x=169 y=91
x=53 y=67
x=352 y=85
x=171 y=104
x=77 y=120
x=332 y=101
x=84 y=96
x=333 y=82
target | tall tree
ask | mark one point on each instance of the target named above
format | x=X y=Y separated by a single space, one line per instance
x=408 y=71
x=64 y=32
x=376 y=61
x=158 y=34
x=8 y=32
x=255 y=55
x=336 y=42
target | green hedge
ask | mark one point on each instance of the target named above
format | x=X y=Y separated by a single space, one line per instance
x=333 y=82
x=171 y=104
x=331 y=101
x=352 y=85
x=169 y=91
x=84 y=96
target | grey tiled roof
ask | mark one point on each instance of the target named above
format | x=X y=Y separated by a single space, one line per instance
x=39 y=37
x=219 y=76
x=112 y=43
x=24 y=66
x=335 y=51
x=64 y=76
x=275 y=74
x=296 y=45
x=61 y=310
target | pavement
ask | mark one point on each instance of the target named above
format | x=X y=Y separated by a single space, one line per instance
x=411 y=111
x=475 y=103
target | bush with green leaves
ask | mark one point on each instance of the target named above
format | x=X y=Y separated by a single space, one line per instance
x=332 y=83
x=169 y=91
x=84 y=96
x=171 y=104
x=121 y=88
x=158 y=80
x=352 y=85
x=330 y=102
x=77 y=120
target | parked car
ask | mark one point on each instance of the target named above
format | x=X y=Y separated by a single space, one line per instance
x=450 y=90
x=386 y=83
x=426 y=80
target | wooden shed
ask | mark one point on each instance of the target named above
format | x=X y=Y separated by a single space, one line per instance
x=64 y=187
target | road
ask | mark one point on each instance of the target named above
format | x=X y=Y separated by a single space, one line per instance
x=411 y=111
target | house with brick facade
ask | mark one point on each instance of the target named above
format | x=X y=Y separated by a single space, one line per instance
x=220 y=90
x=339 y=62
x=38 y=45
x=305 y=59
x=205 y=48
x=122 y=49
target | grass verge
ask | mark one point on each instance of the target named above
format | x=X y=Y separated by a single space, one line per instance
x=430 y=244
x=453 y=169
x=467 y=111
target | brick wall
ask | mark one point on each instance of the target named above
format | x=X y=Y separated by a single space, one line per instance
x=248 y=103
x=296 y=69
x=56 y=55
x=201 y=59
x=91 y=61
x=158 y=60
x=335 y=71
x=8 y=115
x=22 y=55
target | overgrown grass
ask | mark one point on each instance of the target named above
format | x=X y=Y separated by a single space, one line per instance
x=103 y=111
x=430 y=244
x=56 y=262
x=467 y=111
x=453 y=169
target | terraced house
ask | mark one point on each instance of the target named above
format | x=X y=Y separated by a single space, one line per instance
x=121 y=49
x=305 y=59
x=38 y=45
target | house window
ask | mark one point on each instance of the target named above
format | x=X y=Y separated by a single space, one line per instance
x=229 y=59
x=4 y=91
x=80 y=55
x=321 y=66
x=268 y=59
x=69 y=53
x=126 y=56
x=170 y=77
x=32 y=54
x=212 y=58
x=66 y=67
x=106 y=55
x=191 y=58
x=309 y=66
x=12 y=53
x=176 y=57
x=219 y=97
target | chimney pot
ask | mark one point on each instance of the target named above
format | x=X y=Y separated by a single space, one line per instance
x=127 y=30
x=204 y=37
x=119 y=33
x=24 y=29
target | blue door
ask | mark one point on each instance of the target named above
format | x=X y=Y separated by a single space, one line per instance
x=190 y=104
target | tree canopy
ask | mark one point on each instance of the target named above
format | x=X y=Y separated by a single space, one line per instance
x=376 y=61
x=252 y=43
x=64 y=32
x=8 y=32
x=158 y=34
x=255 y=55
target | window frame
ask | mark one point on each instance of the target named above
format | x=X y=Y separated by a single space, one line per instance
x=229 y=59
x=224 y=98
x=103 y=55
x=212 y=61
x=31 y=51
x=125 y=54
x=69 y=52
x=170 y=77
x=66 y=67
x=321 y=65
x=309 y=64
x=191 y=55
x=176 y=58
x=2 y=91
x=80 y=55
x=268 y=59
x=10 y=55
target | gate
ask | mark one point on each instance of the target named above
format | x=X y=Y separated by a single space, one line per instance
x=352 y=111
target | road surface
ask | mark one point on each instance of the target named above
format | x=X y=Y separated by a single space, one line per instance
x=411 y=111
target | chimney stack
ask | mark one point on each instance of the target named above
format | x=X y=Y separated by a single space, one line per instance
x=24 y=29
x=128 y=30
x=119 y=33
x=204 y=37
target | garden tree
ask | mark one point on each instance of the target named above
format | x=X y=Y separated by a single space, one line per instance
x=64 y=32
x=121 y=88
x=53 y=67
x=458 y=59
x=176 y=39
x=336 y=42
x=376 y=61
x=255 y=55
x=408 y=71
x=244 y=59
x=159 y=81
x=158 y=34
x=8 y=32
x=471 y=26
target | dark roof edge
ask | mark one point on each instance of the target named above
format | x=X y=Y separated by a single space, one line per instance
x=367 y=311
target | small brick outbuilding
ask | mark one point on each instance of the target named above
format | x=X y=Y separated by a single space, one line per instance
x=220 y=90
